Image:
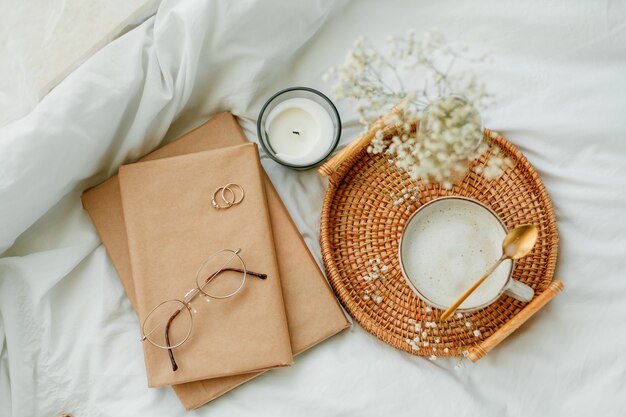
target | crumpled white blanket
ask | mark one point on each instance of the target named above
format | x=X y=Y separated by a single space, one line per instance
x=68 y=337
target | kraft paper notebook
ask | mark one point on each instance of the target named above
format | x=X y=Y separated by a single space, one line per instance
x=172 y=231
x=313 y=313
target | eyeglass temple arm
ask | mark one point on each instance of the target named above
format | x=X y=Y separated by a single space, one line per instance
x=256 y=274
x=167 y=340
x=173 y=316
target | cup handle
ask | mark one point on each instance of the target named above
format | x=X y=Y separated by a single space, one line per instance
x=519 y=291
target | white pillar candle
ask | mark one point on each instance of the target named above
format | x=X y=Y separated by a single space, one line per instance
x=300 y=131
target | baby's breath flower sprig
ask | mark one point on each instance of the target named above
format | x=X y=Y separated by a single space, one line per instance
x=447 y=103
x=428 y=334
x=378 y=270
x=408 y=194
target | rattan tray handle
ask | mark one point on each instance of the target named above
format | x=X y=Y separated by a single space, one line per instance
x=478 y=351
x=352 y=150
x=332 y=165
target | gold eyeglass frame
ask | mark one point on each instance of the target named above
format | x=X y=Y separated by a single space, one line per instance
x=185 y=303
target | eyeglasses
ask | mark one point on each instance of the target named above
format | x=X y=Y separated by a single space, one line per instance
x=169 y=324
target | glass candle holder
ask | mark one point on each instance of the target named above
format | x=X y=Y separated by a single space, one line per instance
x=299 y=127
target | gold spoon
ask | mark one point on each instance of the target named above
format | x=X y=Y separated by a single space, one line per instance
x=517 y=244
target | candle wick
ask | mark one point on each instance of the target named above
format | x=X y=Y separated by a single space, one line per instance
x=295 y=132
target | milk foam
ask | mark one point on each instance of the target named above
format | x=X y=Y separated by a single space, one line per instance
x=448 y=245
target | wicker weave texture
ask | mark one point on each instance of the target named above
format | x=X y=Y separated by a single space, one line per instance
x=360 y=233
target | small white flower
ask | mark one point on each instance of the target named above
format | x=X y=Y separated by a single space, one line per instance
x=432 y=358
x=468 y=324
x=378 y=299
x=428 y=309
x=476 y=333
x=425 y=343
x=459 y=315
x=446 y=350
x=418 y=326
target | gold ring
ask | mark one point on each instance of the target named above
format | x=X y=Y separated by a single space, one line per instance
x=235 y=201
x=226 y=202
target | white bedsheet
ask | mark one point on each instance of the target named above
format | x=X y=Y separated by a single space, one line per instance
x=44 y=40
x=68 y=337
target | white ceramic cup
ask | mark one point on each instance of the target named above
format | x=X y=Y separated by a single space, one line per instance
x=447 y=244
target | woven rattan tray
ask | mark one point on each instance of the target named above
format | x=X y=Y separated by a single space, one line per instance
x=360 y=232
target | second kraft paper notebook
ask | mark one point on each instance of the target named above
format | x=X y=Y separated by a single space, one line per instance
x=172 y=229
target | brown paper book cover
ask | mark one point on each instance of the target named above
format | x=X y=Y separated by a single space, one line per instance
x=313 y=313
x=172 y=230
